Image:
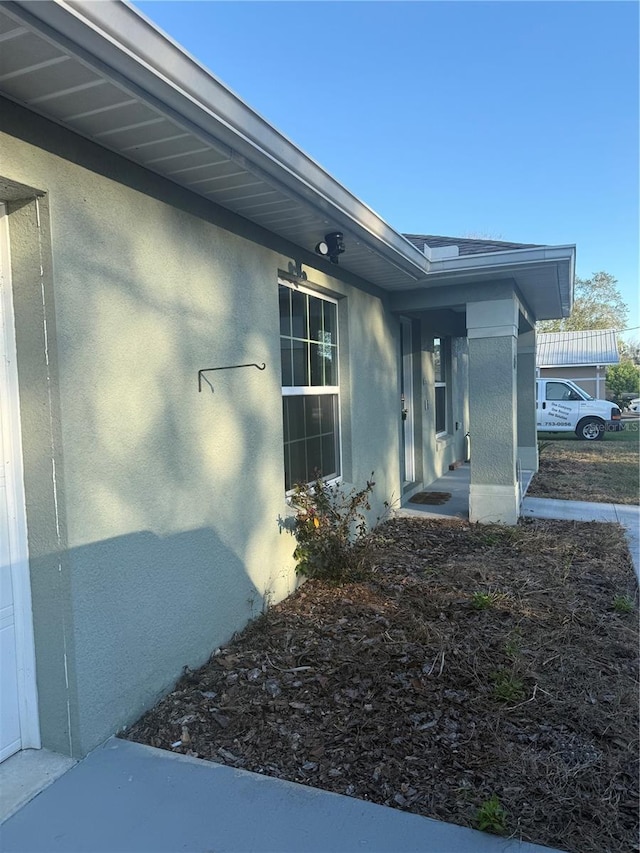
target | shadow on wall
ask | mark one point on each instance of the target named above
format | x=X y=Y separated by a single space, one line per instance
x=139 y=311
x=142 y=607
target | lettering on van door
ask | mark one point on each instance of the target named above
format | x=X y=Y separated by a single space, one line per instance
x=558 y=414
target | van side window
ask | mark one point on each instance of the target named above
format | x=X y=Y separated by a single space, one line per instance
x=560 y=391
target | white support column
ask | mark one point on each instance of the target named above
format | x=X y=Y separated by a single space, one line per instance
x=526 y=389
x=492 y=331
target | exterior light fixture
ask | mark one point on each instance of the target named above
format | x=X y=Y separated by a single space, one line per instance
x=332 y=246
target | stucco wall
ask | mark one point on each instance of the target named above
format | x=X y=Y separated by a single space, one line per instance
x=492 y=397
x=170 y=502
x=438 y=452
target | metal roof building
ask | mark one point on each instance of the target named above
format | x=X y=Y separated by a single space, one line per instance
x=572 y=349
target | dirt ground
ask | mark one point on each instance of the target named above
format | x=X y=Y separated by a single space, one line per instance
x=600 y=471
x=470 y=661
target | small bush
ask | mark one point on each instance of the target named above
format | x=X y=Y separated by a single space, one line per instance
x=330 y=528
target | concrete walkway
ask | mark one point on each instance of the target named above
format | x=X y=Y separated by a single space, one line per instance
x=129 y=798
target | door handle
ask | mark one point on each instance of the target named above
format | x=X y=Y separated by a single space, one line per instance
x=544 y=405
x=405 y=412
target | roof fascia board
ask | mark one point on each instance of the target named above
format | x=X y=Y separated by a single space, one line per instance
x=94 y=32
x=556 y=366
x=501 y=260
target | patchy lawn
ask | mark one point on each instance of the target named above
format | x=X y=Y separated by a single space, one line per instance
x=601 y=471
x=471 y=661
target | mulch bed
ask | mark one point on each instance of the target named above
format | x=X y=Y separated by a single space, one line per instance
x=469 y=661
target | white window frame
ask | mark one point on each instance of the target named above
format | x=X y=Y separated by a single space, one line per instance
x=316 y=390
x=441 y=383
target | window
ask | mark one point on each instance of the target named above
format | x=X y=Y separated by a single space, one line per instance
x=440 y=381
x=560 y=392
x=310 y=392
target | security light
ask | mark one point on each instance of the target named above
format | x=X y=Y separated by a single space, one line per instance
x=332 y=246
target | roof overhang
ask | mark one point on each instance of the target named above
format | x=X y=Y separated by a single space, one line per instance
x=544 y=275
x=106 y=72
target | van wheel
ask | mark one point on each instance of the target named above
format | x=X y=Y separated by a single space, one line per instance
x=590 y=429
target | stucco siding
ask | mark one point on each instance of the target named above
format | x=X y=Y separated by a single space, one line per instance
x=438 y=452
x=172 y=501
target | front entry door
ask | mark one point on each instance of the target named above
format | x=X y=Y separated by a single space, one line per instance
x=18 y=703
x=406 y=403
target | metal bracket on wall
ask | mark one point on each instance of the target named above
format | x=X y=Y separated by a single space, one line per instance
x=204 y=370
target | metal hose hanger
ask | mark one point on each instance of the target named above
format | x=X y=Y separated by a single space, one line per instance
x=204 y=370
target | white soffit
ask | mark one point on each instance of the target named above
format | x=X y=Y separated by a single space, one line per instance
x=107 y=73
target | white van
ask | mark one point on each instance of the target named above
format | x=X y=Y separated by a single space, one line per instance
x=562 y=406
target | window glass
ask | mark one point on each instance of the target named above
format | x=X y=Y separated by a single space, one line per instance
x=441 y=408
x=437 y=360
x=298 y=314
x=310 y=403
x=558 y=391
x=441 y=392
x=284 y=296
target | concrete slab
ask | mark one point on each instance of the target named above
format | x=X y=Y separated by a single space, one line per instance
x=129 y=798
x=27 y=773
x=455 y=482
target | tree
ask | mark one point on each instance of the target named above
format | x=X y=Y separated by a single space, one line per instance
x=623 y=378
x=597 y=305
x=630 y=351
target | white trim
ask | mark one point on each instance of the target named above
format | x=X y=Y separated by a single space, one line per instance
x=510 y=257
x=574 y=366
x=315 y=390
x=409 y=453
x=18 y=541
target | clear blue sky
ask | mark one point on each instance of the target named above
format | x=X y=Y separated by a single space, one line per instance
x=514 y=120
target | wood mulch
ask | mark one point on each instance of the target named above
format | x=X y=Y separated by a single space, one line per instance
x=469 y=661
x=600 y=471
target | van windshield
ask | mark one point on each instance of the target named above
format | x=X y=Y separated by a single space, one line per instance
x=581 y=391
